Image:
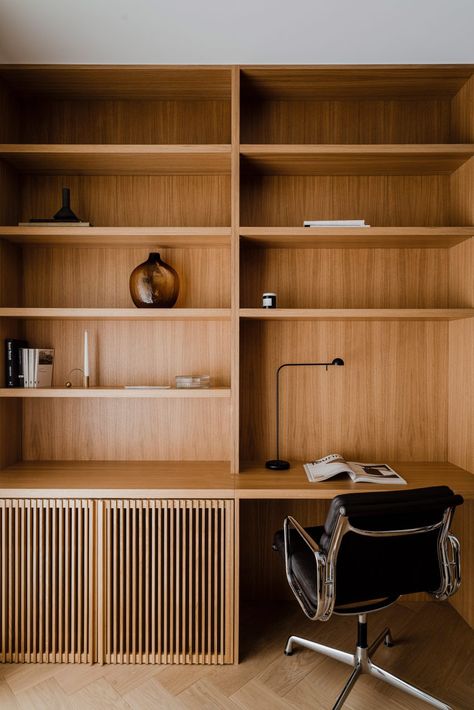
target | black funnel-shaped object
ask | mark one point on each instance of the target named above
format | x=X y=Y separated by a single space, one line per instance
x=65 y=214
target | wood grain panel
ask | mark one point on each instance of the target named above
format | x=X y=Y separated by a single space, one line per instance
x=151 y=479
x=262 y=574
x=168 y=578
x=93 y=159
x=257 y=482
x=463 y=528
x=130 y=429
x=351 y=278
x=418 y=159
x=9 y=125
x=333 y=237
x=388 y=402
x=346 y=122
x=354 y=81
x=47 y=563
x=462 y=190
x=462 y=107
x=116 y=201
x=461 y=270
x=461 y=394
x=172 y=237
x=287 y=201
x=136 y=352
x=132 y=122
x=136 y=82
x=87 y=278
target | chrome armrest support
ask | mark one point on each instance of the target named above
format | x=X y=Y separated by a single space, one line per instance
x=325 y=582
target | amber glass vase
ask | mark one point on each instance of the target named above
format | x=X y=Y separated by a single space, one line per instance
x=154 y=284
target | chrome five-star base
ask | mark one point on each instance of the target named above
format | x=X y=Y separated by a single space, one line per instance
x=362 y=663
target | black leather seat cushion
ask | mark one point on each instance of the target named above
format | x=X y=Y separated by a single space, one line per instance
x=370 y=568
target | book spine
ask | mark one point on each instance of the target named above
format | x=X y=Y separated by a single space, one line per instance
x=9 y=382
x=13 y=369
x=22 y=370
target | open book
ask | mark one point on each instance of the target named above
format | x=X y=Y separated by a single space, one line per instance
x=334 y=464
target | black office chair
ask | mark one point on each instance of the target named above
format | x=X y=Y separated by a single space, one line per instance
x=372 y=548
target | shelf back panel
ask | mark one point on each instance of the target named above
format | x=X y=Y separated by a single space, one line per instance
x=346 y=122
x=125 y=122
x=346 y=278
x=140 y=201
x=62 y=277
x=135 y=353
x=122 y=430
x=389 y=401
x=382 y=200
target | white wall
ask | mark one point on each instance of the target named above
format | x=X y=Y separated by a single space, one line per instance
x=236 y=31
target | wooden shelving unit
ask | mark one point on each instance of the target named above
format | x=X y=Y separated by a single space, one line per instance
x=120 y=237
x=177 y=159
x=114 y=393
x=355 y=237
x=133 y=314
x=118 y=159
x=356 y=159
x=404 y=314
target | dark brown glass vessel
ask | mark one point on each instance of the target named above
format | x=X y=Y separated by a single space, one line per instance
x=154 y=284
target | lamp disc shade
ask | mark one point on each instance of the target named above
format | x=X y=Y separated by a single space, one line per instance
x=338 y=361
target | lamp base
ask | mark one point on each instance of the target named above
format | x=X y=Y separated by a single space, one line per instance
x=277 y=465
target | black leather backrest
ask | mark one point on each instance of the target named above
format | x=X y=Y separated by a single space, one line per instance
x=375 y=567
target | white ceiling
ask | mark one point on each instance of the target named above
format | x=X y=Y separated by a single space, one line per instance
x=236 y=31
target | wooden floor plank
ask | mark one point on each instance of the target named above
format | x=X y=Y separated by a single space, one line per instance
x=434 y=649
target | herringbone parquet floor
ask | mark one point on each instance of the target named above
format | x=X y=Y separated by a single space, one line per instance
x=434 y=649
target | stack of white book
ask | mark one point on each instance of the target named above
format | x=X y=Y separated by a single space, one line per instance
x=335 y=223
x=36 y=367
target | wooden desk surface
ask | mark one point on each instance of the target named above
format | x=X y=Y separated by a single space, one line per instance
x=202 y=479
x=257 y=482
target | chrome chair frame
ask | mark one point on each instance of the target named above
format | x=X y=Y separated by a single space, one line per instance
x=325 y=587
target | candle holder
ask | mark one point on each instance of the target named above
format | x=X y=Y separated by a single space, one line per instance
x=85 y=378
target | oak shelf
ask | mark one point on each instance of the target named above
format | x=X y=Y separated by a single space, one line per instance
x=326 y=314
x=389 y=159
x=134 y=314
x=124 y=237
x=99 y=159
x=99 y=479
x=355 y=237
x=112 y=393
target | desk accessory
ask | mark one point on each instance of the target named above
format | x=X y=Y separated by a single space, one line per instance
x=63 y=217
x=269 y=300
x=278 y=464
x=334 y=465
x=86 y=359
x=154 y=284
x=192 y=382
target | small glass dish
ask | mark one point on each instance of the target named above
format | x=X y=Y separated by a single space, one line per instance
x=192 y=381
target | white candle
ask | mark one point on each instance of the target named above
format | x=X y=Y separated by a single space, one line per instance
x=86 y=354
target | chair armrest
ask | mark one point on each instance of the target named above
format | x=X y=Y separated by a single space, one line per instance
x=291 y=522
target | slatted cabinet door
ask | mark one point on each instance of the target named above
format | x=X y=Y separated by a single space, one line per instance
x=47 y=580
x=167 y=581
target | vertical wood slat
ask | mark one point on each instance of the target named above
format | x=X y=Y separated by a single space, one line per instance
x=45 y=587
x=172 y=562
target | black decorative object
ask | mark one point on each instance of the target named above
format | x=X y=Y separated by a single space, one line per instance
x=65 y=213
x=278 y=464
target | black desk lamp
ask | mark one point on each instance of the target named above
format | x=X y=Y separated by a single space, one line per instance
x=278 y=464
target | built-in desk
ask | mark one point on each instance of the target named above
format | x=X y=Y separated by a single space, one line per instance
x=152 y=560
x=258 y=482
